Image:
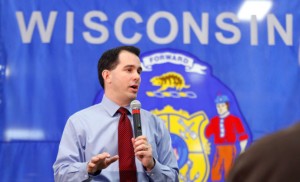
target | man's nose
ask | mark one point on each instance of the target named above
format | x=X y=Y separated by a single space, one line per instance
x=137 y=76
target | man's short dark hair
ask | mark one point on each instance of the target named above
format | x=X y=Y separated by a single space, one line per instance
x=110 y=59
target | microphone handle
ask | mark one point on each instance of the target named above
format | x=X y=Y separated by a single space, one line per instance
x=137 y=124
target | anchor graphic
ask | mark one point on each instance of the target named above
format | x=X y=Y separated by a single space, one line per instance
x=186 y=177
x=187 y=131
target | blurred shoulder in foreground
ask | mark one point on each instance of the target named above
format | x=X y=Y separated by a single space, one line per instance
x=275 y=157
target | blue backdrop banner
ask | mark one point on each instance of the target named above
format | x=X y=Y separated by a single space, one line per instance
x=199 y=59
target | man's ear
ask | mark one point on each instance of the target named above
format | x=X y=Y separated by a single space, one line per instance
x=106 y=76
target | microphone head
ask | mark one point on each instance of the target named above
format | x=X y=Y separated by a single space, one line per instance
x=135 y=104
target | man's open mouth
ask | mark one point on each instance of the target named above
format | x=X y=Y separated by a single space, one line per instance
x=134 y=86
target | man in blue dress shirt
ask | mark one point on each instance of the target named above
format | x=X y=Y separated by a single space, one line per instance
x=88 y=150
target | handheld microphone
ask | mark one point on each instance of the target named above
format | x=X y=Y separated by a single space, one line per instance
x=135 y=105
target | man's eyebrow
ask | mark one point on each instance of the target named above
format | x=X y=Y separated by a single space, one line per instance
x=129 y=66
x=132 y=66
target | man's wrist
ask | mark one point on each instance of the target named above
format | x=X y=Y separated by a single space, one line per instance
x=95 y=173
x=152 y=166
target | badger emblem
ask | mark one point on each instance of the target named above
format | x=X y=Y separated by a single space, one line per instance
x=169 y=80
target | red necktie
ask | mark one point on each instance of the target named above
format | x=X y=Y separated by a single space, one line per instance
x=126 y=153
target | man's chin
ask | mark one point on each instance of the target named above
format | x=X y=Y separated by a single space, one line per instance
x=133 y=96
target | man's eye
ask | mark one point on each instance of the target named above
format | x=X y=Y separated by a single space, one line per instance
x=139 y=71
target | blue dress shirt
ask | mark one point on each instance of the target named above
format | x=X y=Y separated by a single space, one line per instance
x=95 y=130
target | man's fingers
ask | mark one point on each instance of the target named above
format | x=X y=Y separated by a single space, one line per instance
x=100 y=161
x=94 y=159
x=142 y=137
x=140 y=141
x=142 y=153
x=142 y=147
x=103 y=155
x=112 y=159
x=91 y=165
x=99 y=157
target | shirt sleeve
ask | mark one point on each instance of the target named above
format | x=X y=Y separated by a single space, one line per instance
x=70 y=164
x=166 y=167
x=209 y=130
x=240 y=129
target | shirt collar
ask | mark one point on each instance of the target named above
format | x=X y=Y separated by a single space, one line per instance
x=225 y=114
x=111 y=107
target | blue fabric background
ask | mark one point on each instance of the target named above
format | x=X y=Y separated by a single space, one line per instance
x=47 y=82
